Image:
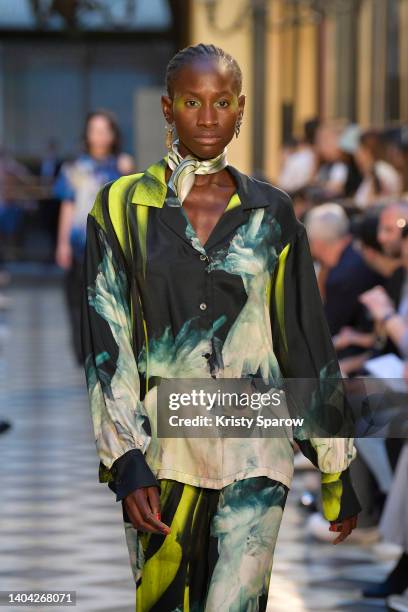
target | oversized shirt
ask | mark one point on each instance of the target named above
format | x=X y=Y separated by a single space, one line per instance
x=159 y=304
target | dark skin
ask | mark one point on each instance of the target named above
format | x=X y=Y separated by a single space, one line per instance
x=204 y=106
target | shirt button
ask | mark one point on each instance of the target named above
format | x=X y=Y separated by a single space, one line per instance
x=203 y=306
x=203 y=257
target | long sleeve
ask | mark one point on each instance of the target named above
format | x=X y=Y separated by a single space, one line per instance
x=120 y=423
x=305 y=351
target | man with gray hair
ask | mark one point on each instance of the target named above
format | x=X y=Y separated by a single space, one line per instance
x=343 y=274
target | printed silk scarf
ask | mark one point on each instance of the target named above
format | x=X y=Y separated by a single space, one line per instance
x=185 y=168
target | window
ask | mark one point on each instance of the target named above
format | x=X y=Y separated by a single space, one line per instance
x=98 y=15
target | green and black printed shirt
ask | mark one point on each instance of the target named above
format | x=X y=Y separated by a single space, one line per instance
x=158 y=304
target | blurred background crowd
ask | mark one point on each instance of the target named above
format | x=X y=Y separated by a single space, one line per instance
x=326 y=121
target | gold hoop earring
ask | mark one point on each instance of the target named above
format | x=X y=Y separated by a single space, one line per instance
x=169 y=135
x=238 y=127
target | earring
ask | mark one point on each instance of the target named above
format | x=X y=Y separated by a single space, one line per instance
x=169 y=135
x=238 y=126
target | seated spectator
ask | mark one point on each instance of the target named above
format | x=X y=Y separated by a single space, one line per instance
x=380 y=179
x=396 y=151
x=348 y=144
x=14 y=178
x=392 y=321
x=330 y=179
x=343 y=273
x=365 y=231
x=299 y=161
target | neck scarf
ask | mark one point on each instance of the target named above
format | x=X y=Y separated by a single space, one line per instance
x=185 y=168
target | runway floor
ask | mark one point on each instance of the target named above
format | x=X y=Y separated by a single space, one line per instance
x=62 y=530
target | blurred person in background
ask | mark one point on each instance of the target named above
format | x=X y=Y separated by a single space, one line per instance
x=376 y=455
x=365 y=232
x=393 y=321
x=391 y=313
x=12 y=175
x=380 y=179
x=299 y=161
x=396 y=152
x=330 y=179
x=15 y=178
x=343 y=274
x=348 y=143
x=365 y=229
x=76 y=186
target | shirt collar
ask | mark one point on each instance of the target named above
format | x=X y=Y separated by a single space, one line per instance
x=152 y=190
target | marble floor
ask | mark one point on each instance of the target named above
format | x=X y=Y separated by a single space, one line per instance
x=62 y=530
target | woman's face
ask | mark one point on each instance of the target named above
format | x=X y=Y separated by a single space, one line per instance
x=327 y=144
x=205 y=106
x=100 y=136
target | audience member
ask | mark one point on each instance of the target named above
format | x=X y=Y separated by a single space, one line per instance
x=343 y=274
x=380 y=179
x=299 y=161
x=77 y=186
x=391 y=319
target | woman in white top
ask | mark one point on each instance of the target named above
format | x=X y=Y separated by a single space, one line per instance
x=380 y=179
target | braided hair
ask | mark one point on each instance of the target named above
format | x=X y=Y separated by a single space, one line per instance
x=194 y=53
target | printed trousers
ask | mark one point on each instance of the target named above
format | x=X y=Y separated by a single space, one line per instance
x=219 y=555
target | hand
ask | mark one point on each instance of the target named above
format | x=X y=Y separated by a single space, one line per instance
x=63 y=255
x=345 y=527
x=345 y=337
x=143 y=508
x=377 y=301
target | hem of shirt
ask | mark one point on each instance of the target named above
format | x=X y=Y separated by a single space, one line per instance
x=220 y=483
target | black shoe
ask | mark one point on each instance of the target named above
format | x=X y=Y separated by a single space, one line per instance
x=4 y=426
x=395 y=583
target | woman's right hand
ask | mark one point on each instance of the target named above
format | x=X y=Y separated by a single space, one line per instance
x=63 y=255
x=143 y=509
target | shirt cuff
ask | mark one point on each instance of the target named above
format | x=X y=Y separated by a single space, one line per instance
x=131 y=472
x=339 y=499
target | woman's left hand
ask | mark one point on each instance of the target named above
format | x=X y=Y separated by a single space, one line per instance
x=345 y=527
